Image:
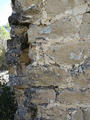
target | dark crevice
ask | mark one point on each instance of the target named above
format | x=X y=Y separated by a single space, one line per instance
x=14 y=19
x=44 y=87
x=32 y=108
x=24 y=41
x=88 y=12
x=13 y=2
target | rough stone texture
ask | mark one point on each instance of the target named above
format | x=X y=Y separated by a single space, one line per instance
x=48 y=59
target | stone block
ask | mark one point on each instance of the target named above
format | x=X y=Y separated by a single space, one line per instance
x=77 y=115
x=55 y=7
x=71 y=53
x=46 y=76
x=86 y=18
x=87 y=113
x=43 y=96
x=25 y=4
x=74 y=97
x=52 y=113
x=84 y=31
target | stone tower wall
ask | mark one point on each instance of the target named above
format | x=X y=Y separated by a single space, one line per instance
x=48 y=59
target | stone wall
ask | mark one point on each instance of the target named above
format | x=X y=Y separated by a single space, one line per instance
x=48 y=59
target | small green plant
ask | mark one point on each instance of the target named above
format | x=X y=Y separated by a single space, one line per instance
x=8 y=104
x=4 y=34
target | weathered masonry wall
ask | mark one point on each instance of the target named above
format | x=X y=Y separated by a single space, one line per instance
x=49 y=59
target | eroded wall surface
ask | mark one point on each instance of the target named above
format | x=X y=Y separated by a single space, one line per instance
x=48 y=59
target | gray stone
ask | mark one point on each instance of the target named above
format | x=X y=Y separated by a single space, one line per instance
x=48 y=59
